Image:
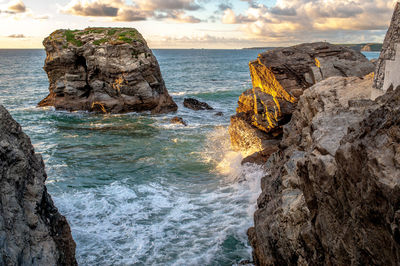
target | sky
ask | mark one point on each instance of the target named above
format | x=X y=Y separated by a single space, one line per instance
x=213 y=24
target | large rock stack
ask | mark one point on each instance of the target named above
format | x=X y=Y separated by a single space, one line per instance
x=279 y=78
x=32 y=231
x=107 y=70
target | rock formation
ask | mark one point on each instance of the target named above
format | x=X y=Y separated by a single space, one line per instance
x=279 y=78
x=388 y=66
x=332 y=194
x=178 y=120
x=107 y=70
x=196 y=104
x=32 y=231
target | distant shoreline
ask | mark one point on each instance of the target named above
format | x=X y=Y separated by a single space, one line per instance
x=360 y=47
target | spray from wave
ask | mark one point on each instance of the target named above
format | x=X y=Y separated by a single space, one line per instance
x=163 y=223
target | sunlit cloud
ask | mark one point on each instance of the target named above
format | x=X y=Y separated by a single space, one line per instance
x=119 y=10
x=17 y=10
x=16 y=6
x=16 y=36
x=308 y=20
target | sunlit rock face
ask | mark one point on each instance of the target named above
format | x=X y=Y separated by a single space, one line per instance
x=106 y=70
x=388 y=65
x=332 y=192
x=279 y=78
x=32 y=231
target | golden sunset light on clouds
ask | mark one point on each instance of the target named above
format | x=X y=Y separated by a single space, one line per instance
x=201 y=23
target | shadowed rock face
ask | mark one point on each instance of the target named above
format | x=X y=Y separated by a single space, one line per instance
x=196 y=104
x=387 y=69
x=32 y=231
x=106 y=70
x=279 y=78
x=332 y=194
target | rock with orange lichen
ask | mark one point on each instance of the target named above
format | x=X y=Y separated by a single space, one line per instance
x=105 y=70
x=279 y=78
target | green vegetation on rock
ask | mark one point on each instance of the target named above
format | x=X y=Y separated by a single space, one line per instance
x=112 y=36
x=98 y=42
x=70 y=36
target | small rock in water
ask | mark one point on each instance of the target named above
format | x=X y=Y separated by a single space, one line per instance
x=178 y=120
x=196 y=104
x=219 y=114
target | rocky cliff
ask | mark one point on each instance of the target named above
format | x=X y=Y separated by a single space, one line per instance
x=279 y=78
x=332 y=194
x=388 y=65
x=108 y=70
x=32 y=231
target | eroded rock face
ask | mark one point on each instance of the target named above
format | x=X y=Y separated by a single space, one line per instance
x=32 y=231
x=107 y=70
x=332 y=194
x=279 y=78
x=388 y=65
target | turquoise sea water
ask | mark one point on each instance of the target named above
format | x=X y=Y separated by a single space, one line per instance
x=136 y=189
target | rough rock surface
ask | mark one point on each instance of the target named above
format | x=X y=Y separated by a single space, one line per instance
x=178 y=120
x=332 y=194
x=279 y=78
x=32 y=231
x=390 y=48
x=108 y=70
x=196 y=104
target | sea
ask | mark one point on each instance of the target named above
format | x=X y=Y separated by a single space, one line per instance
x=135 y=188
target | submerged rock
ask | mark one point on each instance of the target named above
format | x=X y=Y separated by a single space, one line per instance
x=196 y=104
x=279 y=78
x=32 y=231
x=388 y=65
x=178 y=120
x=332 y=192
x=107 y=70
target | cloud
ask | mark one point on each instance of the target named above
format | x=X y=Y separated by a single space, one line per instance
x=16 y=36
x=16 y=6
x=201 y=41
x=224 y=6
x=119 y=10
x=43 y=17
x=229 y=17
x=309 y=20
x=13 y=7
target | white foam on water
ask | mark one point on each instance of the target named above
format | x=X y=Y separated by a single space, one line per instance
x=160 y=223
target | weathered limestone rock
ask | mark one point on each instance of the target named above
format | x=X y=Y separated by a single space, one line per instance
x=388 y=66
x=107 y=70
x=32 y=231
x=196 y=104
x=332 y=193
x=279 y=78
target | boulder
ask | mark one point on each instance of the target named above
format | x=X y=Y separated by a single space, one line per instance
x=388 y=65
x=178 y=120
x=32 y=231
x=196 y=104
x=106 y=70
x=279 y=78
x=332 y=192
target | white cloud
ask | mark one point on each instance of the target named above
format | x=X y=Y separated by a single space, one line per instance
x=119 y=10
x=308 y=20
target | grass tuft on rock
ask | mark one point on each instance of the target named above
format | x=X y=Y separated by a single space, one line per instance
x=70 y=36
x=101 y=41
